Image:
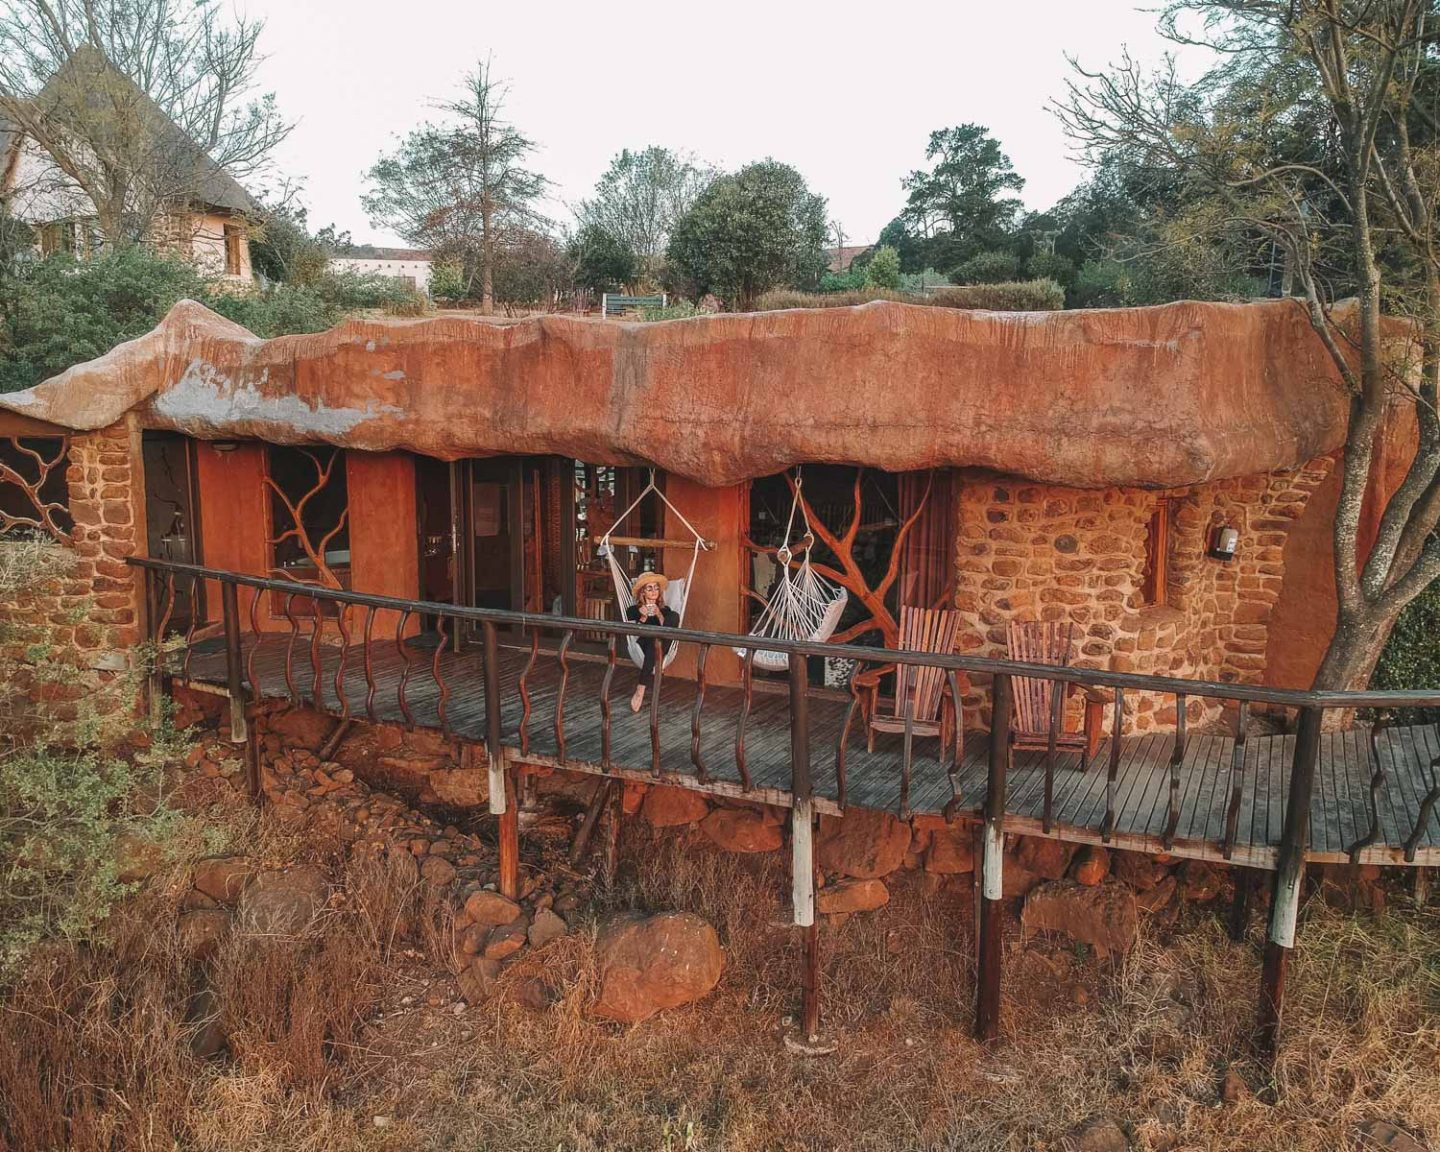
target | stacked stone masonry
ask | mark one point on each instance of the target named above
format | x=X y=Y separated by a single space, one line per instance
x=1033 y=552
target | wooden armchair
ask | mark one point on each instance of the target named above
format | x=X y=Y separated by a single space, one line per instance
x=1041 y=642
x=921 y=630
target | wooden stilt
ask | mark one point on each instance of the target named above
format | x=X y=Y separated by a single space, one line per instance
x=1285 y=900
x=802 y=849
x=334 y=740
x=593 y=811
x=612 y=830
x=992 y=862
x=234 y=667
x=510 y=841
x=1422 y=887
x=810 y=983
x=252 y=763
x=1239 y=921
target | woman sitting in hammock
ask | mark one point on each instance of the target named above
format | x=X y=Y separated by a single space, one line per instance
x=649 y=608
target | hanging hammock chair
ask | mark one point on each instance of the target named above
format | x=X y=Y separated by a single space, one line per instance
x=804 y=605
x=677 y=592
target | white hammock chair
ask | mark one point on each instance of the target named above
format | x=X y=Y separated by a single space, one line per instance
x=677 y=592
x=804 y=605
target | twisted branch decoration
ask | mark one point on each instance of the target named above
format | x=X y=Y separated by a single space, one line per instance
x=44 y=519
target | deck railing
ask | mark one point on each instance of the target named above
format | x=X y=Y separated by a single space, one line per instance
x=355 y=618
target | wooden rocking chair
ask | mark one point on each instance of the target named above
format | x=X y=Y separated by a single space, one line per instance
x=1042 y=642
x=921 y=630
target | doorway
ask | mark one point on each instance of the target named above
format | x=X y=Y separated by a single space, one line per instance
x=171 y=528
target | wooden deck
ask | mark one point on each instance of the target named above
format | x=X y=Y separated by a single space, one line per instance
x=1340 y=813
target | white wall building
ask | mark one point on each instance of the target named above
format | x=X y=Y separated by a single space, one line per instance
x=409 y=264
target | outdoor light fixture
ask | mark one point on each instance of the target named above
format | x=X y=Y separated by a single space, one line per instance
x=1223 y=541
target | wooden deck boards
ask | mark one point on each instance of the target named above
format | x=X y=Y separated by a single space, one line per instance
x=1141 y=795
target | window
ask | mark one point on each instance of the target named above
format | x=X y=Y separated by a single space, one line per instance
x=56 y=237
x=1155 y=584
x=309 y=515
x=34 y=495
x=234 y=237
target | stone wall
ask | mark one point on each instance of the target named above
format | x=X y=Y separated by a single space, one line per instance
x=1033 y=552
x=67 y=642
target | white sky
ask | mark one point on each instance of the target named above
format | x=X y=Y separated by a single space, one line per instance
x=846 y=92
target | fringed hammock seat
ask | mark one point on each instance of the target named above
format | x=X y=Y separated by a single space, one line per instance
x=803 y=605
x=677 y=592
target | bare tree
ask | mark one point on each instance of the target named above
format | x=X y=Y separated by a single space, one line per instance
x=140 y=105
x=1318 y=132
x=461 y=185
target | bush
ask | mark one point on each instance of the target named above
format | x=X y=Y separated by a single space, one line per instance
x=1050 y=266
x=1021 y=296
x=987 y=268
x=679 y=310
x=1411 y=659
x=883 y=271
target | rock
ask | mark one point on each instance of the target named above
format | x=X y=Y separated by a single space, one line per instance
x=137 y=858
x=1233 y=1088
x=505 y=940
x=951 y=852
x=1383 y=1134
x=477 y=982
x=1091 y=865
x=741 y=830
x=668 y=807
x=1096 y=1136
x=1200 y=881
x=535 y=994
x=199 y=932
x=490 y=908
x=1158 y=897
x=546 y=927
x=283 y=902
x=202 y=1014
x=193 y=900
x=1138 y=870
x=461 y=787
x=223 y=878
x=852 y=896
x=302 y=728
x=437 y=871
x=1103 y=917
x=864 y=844
x=1016 y=881
x=648 y=964
x=1046 y=858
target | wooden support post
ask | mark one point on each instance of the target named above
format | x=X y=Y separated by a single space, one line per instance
x=234 y=665
x=252 y=763
x=992 y=858
x=802 y=849
x=510 y=841
x=612 y=830
x=490 y=667
x=1422 y=887
x=810 y=985
x=1285 y=900
x=1240 y=904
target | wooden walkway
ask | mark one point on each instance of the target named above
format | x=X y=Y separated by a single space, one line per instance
x=1340 y=813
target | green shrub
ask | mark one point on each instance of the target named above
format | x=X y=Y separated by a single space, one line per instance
x=1021 y=296
x=679 y=310
x=883 y=271
x=1050 y=266
x=1411 y=659
x=987 y=268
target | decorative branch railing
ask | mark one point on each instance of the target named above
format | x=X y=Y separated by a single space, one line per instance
x=303 y=641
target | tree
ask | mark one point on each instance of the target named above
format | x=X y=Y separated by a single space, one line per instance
x=462 y=186
x=138 y=105
x=1316 y=134
x=883 y=271
x=749 y=232
x=282 y=249
x=639 y=200
x=960 y=206
x=602 y=262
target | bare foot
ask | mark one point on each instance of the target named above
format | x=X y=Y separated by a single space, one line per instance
x=638 y=699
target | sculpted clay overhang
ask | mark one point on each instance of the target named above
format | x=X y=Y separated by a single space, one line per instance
x=1158 y=397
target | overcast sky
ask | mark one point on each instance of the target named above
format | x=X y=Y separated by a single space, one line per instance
x=846 y=92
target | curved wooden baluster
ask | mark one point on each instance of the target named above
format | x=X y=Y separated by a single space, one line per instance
x=290 y=649
x=1427 y=806
x=701 y=659
x=169 y=607
x=1237 y=779
x=747 y=683
x=1107 y=829
x=442 y=706
x=655 y=709
x=317 y=660
x=404 y=650
x=562 y=654
x=255 y=642
x=525 y=692
x=369 y=663
x=190 y=631
x=1052 y=738
x=342 y=622
x=605 y=682
x=1177 y=758
x=1377 y=781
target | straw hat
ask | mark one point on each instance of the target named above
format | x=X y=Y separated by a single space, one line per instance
x=648 y=578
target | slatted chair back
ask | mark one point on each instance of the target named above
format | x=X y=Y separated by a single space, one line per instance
x=1037 y=642
x=924 y=630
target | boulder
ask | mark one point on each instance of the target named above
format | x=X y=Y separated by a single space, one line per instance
x=202 y=1016
x=863 y=844
x=505 y=940
x=1154 y=899
x=137 y=858
x=477 y=982
x=1140 y=871
x=199 y=932
x=461 y=787
x=667 y=807
x=1091 y=865
x=1015 y=880
x=1200 y=881
x=852 y=896
x=223 y=878
x=741 y=830
x=546 y=927
x=1046 y=858
x=437 y=871
x=301 y=728
x=1096 y=1136
x=648 y=964
x=1383 y=1134
x=489 y=908
x=952 y=851
x=1103 y=917
x=283 y=903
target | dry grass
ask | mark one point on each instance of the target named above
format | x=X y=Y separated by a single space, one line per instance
x=1144 y=1043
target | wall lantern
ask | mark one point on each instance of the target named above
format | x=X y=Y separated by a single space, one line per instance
x=1224 y=540
x=224 y=445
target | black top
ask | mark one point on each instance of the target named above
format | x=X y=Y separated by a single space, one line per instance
x=668 y=617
